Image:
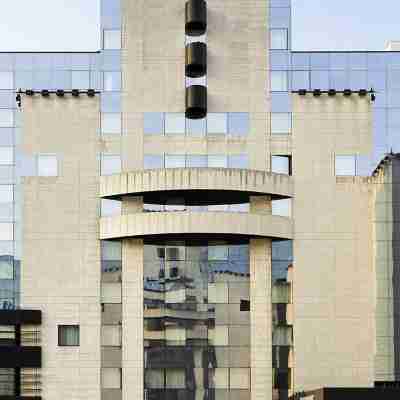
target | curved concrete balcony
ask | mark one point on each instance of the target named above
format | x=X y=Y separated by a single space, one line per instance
x=222 y=180
x=190 y=223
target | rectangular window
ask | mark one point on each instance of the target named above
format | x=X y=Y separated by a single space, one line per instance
x=6 y=81
x=68 y=335
x=110 y=207
x=111 y=39
x=6 y=155
x=279 y=81
x=281 y=123
x=47 y=165
x=196 y=161
x=279 y=39
x=217 y=161
x=80 y=80
x=175 y=123
x=153 y=123
x=110 y=164
x=153 y=161
x=217 y=123
x=7 y=382
x=196 y=127
x=6 y=267
x=282 y=207
x=239 y=124
x=111 y=378
x=345 y=165
x=281 y=165
x=174 y=161
x=238 y=161
x=6 y=193
x=111 y=123
x=112 y=81
x=6 y=118
x=301 y=80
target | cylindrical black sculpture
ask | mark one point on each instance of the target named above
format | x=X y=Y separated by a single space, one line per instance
x=196 y=17
x=196 y=102
x=196 y=59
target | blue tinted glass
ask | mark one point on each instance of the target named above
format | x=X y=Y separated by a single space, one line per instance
x=153 y=161
x=238 y=161
x=393 y=59
x=394 y=118
x=380 y=100
x=300 y=60
x=238 y=124
x=23 y=61
x=319 y=60
x=6 y=136
x=320 y=80
x=281 y=102
x=358 y=79
x=153 y=123
x=112 y=80
x=95 y=80
x=175 y=161
x=338 y=60
x=280 y=17
x=110 y=7
x=110 y=102
x=80 y=79
x=42 y=79
x=196 y=161
x=279 y=59
x=279 y=3
x=7 y=62
x=358 y=60
x=7 y=99
x=62 y=80
x=393 y=78
x=393 y=97
x=338 y=80
x=300 y=80
x=62 y=61
x=196 y=127
x=376 y=80
x=42 y=61
x=80 y=61
x=376 y=61
x=111 y=59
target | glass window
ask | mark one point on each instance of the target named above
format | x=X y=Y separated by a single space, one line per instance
x=111 y=378
x=110 y=207
x=217 y=123
x=279 y=39
x=6 y=155
x=196 y=127
x=153 y=161
x=111 y=123
x=6 y=118
x=238 y=161
x=320 y=80
x=339 y=80
x=112 y=81
x=281 y=123
x=174 y=123
x=68 y=335
x=80 y=80
x=6 y=267
x=282 y=207
x=174 y=161
x=279 y=81
x=47 y=165
x=111 y=39
x=153 y=123
x=110 y=164
x=6 y=193
x=110 y=102
x=239 y=124
x=300 y=80
x=345 y=165
x=6 y=81
x=281 y=165
x=217 y=161
x=196 y=161
x=7 y=382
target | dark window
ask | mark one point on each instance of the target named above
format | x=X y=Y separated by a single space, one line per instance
x=68 y=335
x=244 y=305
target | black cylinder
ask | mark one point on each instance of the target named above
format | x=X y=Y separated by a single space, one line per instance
x=196 y=59
x=196 y=17
x=196 y=102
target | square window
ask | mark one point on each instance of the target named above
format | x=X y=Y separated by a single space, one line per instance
x=110 y=164
x=111 y=123
x=112 y=81
x=281 y=165
x=153 y=123
x=345 y=165
x=68 y=335
x=217 y=161
x=279 y=81
x=47 y=165
x=175 y=123
x=174 y=161
x=6 y=193
x=80 y=80
x=6 y=155
x=281 y=123
x=153 y=161
x=196 y=127
x=217 y=123
x=6 y=81
x=279 y=39
x=6 y=118
x=111 y=39
x=239 y=124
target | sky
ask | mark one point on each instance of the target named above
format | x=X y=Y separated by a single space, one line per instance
x=73 y=25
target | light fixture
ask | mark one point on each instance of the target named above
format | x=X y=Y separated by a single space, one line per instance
x=91 y=92
x=317 y=92
x=45 y=93
x=75 y=92
x=347 y=92
x=30 y=92
x=302 y=92
x=362 y=92
x=332 y=92
x=60 y=93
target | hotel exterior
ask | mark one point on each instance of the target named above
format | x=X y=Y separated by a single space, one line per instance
x=198 y=212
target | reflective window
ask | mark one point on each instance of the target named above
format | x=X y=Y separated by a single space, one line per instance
x=153 y=161
x=111 y=123
x=110 y=102
x=320 y=80
x=174 y=161
x=339 y=80
x=279 y=81
x=153 y=123
x=6 y=118
x=238 y=161
x=112 y=81
x=6 y=155
x=279 y=39
x=282 y=207
x=217 y=123
x=47 y=165
x=110 y=164
x=196 y=161
x=110 y=207
x=111 y=39
x=300 y=80
x=6 y=80
x=281 y=165
x=217 y=161
x=6 y=193
x=196 y=127
x=281 y=123
x=345 y=165
x=239 y=124
x=6 y=231
x=174 y=123
x=80 y=80
x=68 y=335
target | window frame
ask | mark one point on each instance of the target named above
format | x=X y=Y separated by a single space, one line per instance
x=59 y=330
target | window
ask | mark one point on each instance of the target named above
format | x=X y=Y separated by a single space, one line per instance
x=111 y=123
x=196 y=127
x=110 y=207
x=6 y=81
x=6 y=118
x=111 y=378
x=217 y=123
x=7 y=382
x=6 y=267
x=174 y=161
x=301 y=80
x=175 y=123
x=279 y=81
x=111 y=39
x=282 y=207
x=110 y=164
x=238 y=124
x=238 y=161
x=281 y=165
x=279 y=39
x=6 y=155
x=68 y=335
x=112 y=81
x=153 y=161
x=196 y=161
x=345 y=165
x=217 y=161
x=47 y=165
x=153 y=123
x=6 y=193
x=80 y=80
x=281 y=123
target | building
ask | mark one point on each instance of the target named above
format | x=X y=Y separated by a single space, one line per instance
x=196 y=212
